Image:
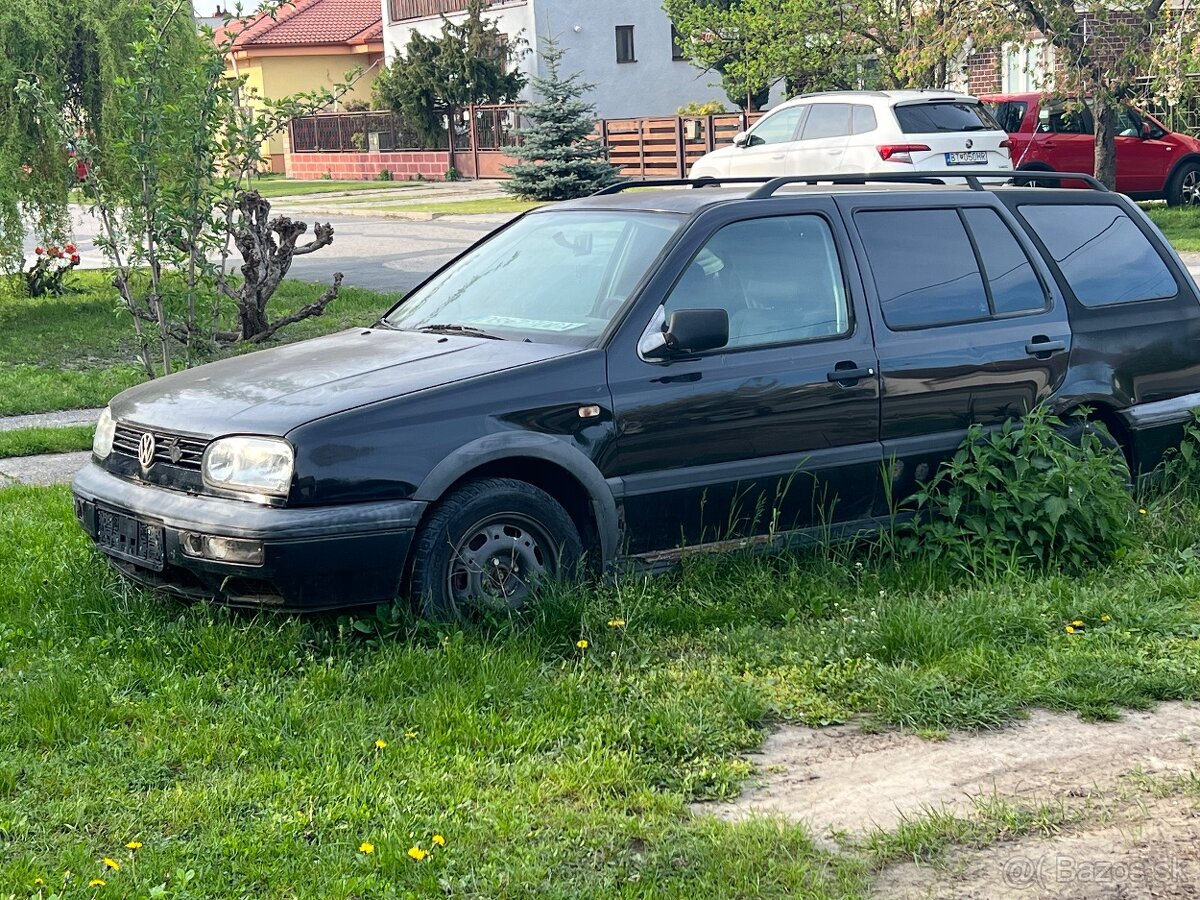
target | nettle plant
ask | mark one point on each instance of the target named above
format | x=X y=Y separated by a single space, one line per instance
x=168 y=178
x=1040 y=493
x=47 y=275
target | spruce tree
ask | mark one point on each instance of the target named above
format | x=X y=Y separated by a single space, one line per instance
x=557 y=158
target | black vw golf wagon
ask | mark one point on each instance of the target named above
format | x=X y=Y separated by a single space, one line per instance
x=616 y=378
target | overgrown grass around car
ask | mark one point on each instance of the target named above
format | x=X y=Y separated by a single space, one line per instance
x=555 y=753
x=78 y=350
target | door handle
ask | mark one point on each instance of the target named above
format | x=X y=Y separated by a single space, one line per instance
x=843 y=373
x=779 y=156
x=1044 y=348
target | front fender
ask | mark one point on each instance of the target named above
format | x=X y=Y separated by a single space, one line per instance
x=526 y=445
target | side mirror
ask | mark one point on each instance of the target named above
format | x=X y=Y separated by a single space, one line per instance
x=696 y=330
x=741 y=139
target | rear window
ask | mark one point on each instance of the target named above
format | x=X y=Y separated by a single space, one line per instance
x=929 y=118
x=1102 y=254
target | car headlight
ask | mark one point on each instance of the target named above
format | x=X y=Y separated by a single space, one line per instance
x=105 y=429
x=257 y=465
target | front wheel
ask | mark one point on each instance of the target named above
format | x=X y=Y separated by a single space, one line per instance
x=488 y=546
x=1184 y=189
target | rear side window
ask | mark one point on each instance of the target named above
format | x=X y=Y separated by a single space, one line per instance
x=944 y=267
x=929 y=118
x=1102 y=254
x=826 y=120
x=1014 y=286
x=862 y=119
x=925 y=270
x=1010 y=114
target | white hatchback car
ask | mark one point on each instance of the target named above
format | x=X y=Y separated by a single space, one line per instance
x=870 y=132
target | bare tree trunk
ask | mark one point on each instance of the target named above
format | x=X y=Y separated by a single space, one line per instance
x=1105 y=111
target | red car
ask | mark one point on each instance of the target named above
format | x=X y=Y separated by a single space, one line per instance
x=1053 y=134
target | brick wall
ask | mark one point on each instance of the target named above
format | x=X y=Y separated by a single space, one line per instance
x=430 y=164
x=983 y=72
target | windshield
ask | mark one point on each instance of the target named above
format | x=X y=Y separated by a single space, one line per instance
x=554 y=277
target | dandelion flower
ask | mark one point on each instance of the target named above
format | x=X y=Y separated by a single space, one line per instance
x=1069 y=630
x=96 y=882
x=38 y=882
x=410 y=734
x=380 y=744
x=1077 y=623
x=134 y=845
x=1106 y=618
x=111 y=864
x=616 y=623
x=581 y=644
x=1142 y=511
x=417 y=853
x=366 y=847
x=439 y=840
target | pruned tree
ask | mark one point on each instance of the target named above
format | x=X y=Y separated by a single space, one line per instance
x=558 y=159
x=470 y=62
x=268 y=246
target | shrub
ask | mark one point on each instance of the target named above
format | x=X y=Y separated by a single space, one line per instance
x=1040 y=493
x=49 y=270
x=711 y=108
x=452 y=174
x=384 y=175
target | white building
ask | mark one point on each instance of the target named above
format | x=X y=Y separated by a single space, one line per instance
x=624 y=47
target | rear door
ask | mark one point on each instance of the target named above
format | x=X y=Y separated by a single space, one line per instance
x=821 y=149
x=957 y=134
x=1065 y=138
x=770 y=144
x=774 y=432
x=968 y=327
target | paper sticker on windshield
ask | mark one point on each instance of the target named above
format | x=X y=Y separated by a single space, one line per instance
x=530 y=324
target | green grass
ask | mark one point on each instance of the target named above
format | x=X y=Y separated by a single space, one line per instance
x=242 y=747
x=31 y=441
x=78 y=350
x=283 y=187
x=1181 y=226
x=455 y=207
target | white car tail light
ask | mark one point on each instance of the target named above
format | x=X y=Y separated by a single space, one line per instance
x=900 y=153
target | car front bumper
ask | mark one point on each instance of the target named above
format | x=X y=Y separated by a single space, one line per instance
x=313 y=558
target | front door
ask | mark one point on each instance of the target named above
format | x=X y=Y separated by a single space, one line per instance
x=1143 y=158
x=768 y=144
x=776 y=431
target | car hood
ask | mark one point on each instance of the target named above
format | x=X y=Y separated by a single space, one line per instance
x=274 y=391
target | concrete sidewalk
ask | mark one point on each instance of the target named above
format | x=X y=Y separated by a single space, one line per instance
x=49 y=468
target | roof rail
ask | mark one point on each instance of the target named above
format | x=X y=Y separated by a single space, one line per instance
x=971 y=178
x=707 y=181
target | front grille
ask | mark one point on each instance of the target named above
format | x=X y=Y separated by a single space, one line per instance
x=176 y=450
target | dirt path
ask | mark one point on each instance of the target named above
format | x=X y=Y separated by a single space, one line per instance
x=843 y=781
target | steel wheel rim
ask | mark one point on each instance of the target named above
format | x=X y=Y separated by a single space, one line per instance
x=1189 y=189
x=499 y=563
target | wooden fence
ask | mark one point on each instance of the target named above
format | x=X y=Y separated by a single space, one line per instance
x=662 y=147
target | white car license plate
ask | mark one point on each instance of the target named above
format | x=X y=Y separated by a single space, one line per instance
x=967 y=158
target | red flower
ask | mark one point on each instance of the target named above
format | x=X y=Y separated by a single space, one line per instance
x=70 y=248
x=74 y=259
x=39 y=251
x=54 y=251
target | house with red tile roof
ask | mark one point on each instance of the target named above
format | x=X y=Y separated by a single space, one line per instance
x=307 y=46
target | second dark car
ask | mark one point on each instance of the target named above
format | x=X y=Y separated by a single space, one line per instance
x=619 y=377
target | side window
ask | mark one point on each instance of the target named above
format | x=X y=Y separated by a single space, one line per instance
x=1010 y=115
x=1102 y=254
x=827 y=120
x=778 y=278
x=1065 y=118
x=862 y=119
x=924 y=267
x=1013 y=284
x=779 y=127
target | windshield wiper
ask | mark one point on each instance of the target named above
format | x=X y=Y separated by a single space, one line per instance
x=465 y=330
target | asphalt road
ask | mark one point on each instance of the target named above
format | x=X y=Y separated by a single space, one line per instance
x=378 y=253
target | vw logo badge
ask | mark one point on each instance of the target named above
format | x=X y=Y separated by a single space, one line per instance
x=970 y=143
x=146 y=450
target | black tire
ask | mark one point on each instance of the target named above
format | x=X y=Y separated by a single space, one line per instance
x=1184 y=187
x=498 y=526
x=1036 y=182
x=1074 y=432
